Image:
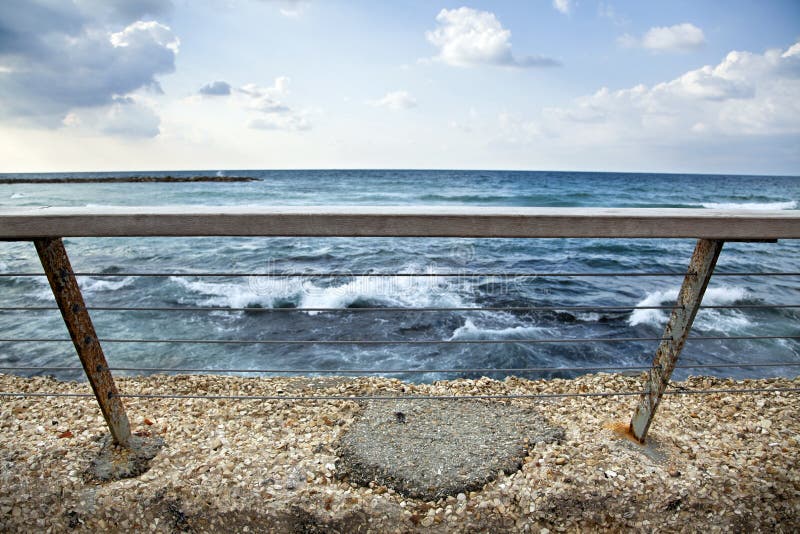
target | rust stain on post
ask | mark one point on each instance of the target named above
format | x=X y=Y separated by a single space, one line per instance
x=680 y=322
x=68 y=296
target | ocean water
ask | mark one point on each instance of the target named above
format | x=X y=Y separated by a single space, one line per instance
x=390 y=256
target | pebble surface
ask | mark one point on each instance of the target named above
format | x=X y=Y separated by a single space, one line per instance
x=714 y=463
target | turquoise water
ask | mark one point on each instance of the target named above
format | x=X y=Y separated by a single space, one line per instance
x=379 y=255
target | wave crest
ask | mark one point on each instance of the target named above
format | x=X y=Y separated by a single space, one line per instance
x=788 y=205
x=706 y=319
x=472 y=331
x=90 y=285
x=297 y=292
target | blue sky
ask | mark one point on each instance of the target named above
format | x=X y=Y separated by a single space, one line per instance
x=538 y=84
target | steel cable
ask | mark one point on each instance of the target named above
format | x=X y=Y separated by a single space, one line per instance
x=406 y=397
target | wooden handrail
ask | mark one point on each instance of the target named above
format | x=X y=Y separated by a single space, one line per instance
x=393 y=221
x=711 y=227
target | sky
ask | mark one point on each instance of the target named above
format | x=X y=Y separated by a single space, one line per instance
x=581 y=85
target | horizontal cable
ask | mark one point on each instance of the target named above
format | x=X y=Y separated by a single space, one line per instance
x=396 y=309
x=747 y=306
x=388 y=341
x=343 y=341
x=409 y=371
x=406 y=397
x=370 y=309
x=706 y=338
x=735 y=365
x=358 y=275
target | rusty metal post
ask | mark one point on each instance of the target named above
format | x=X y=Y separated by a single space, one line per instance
x=68 y=296
x=680 y=322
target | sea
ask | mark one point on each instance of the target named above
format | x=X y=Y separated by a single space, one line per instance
x=365 y=308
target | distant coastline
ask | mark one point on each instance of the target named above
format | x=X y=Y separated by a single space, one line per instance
x=127 y=179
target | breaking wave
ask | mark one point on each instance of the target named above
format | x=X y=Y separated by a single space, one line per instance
x=293 y=292
x=722 y=320
x=789 y=205
x=472 y=331
x=90 y=285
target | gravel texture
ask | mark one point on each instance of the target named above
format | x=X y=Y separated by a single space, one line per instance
x=713 y=463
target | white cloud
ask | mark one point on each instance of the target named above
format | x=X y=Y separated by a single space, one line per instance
x=293 y=8
x=128 y=118
x=271 y=113
x=266 y=99
x=564 y=6
x=124 y=117
x=395 y=100
x=265 y=107
x=60 y=57
x=467 y=37
x=678 y=38
x=287 y=122
x=793 y=51
x=746 y=94
x=607 y=11
x=684 y=36
x=217 y=88
x=110 y=11
x=142 y=33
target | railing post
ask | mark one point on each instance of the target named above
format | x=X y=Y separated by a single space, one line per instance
x=680 y=322
x=68 y=296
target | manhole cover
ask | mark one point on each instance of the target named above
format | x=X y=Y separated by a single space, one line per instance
x=430 y=449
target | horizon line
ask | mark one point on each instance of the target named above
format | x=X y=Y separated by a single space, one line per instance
x=402 y=169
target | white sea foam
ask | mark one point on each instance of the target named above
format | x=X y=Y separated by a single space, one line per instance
x=471 y=331
x=788 y=205
x=41 y=290
x=90 y=285
x=653 y=317
x=234 y=295
x=87 y=285
x=18 y=195
x=305 y=293
x=722 y=320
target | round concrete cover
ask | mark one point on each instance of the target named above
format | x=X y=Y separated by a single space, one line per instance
x=429 y=449
x=115 y=463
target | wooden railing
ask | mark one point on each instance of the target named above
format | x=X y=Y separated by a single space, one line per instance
x=391 y=221
x=46 y=226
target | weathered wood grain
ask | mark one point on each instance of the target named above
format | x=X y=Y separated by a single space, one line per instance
x=390 y=221
x=701 y=268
